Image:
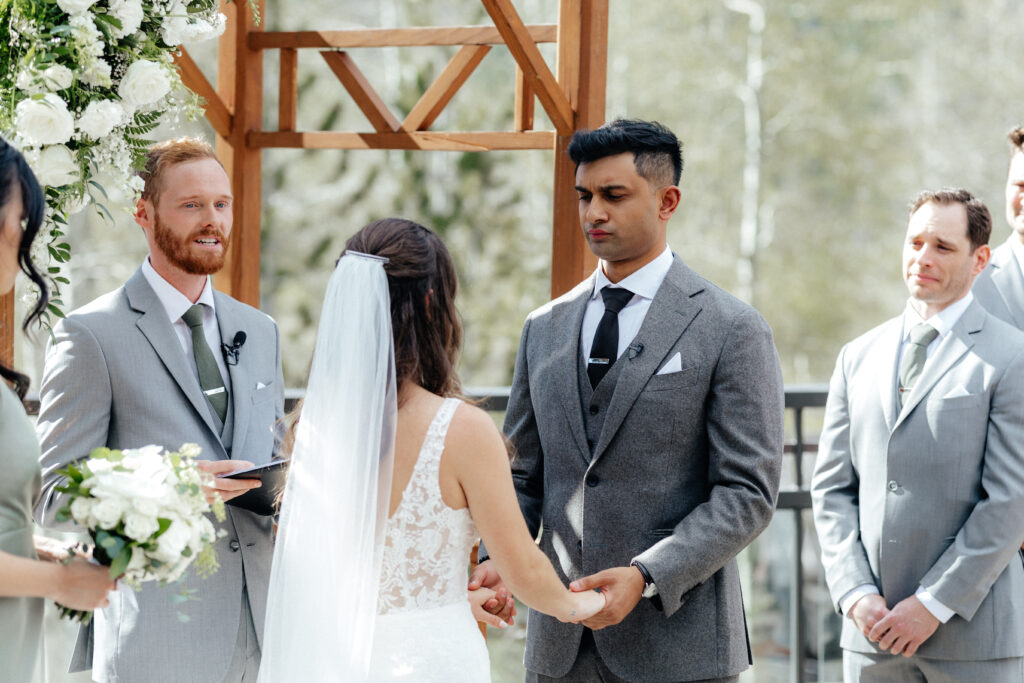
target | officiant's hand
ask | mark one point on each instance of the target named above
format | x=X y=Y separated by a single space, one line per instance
x=226 y=488
x=502 y=605
x=622 y=588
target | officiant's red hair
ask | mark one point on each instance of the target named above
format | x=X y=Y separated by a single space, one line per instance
x=422 y=285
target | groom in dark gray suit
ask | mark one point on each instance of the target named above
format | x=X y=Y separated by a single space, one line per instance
x=646 y=412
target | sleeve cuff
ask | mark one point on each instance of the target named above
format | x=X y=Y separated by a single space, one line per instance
x=931 y=603
x=847 y=602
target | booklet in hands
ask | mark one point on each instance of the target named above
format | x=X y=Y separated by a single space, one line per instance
x=261 y=500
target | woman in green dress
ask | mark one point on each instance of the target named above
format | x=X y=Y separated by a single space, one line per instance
x=25 y=579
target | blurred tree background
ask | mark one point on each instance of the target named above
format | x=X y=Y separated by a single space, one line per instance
x=808 y=127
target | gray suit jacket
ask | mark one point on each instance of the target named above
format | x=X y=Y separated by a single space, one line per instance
x=116 y=376
x=931 y=495
x=1000 y=287
x=684 y=475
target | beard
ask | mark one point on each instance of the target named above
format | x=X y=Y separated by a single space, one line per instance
x=180 y=253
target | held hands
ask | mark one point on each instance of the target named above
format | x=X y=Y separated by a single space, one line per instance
x=622 y=588
x=490 y=600
x=583 y=606
x=905 y=628
x=226 y=488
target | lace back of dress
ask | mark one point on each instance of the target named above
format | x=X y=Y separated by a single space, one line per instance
x=426 y=551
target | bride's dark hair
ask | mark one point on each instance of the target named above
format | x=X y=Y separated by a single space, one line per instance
x=422 y=285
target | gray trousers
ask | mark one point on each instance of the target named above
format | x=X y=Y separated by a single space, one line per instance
x=245 y=663
x=885 y=668
x=589 y=668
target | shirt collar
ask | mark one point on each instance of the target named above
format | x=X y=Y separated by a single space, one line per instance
x=644 y=282
x=943 y=321
x=174 y=302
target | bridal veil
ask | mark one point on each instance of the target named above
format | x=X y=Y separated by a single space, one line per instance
x=324 y=581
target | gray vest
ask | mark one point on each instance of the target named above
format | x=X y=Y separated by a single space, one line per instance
x=594 y=401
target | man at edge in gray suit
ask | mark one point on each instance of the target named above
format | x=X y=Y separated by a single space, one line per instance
x=918 y=491
x=1000 y=287
x=125 y=371
x=646 y=414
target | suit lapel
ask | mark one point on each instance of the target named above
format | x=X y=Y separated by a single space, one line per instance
x=888 y=361
x=671 y=312
x=1008 y=277
x=230 y=323
x=950 y=350
x=155 y=326
x=565 y=359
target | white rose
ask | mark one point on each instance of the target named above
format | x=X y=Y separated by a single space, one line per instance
x=81 y=508
x=144 y=82
x=96 y=73
x=58 y=77
x=75 y=203
x=175 y=29
x=75 y=6
x=108 y=512
x=100 y=117
x=57 y=167
x=140 y=527
x=129 y=13
x=172 y=542
x=138 y=560
x=133 y=486
x=146 y=506
x=45 y=121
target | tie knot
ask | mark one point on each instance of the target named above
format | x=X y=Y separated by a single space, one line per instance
x=193 y=317
x=923 y=334
x=615 y=298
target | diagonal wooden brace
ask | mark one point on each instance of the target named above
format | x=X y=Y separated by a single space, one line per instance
x=444 y=87
x=366 y=98
x=536 y=73
x=217 y=112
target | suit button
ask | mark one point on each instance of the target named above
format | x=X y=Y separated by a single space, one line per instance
x=234 y=545
x=594 y=410
x=593 y=480
x=893 y=486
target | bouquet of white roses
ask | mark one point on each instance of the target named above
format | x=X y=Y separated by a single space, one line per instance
x=82 y=84
x=145 y=511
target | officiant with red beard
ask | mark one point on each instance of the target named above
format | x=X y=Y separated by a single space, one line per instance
x=166 y=359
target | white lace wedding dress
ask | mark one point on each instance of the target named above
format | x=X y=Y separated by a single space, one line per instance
x=425 y=631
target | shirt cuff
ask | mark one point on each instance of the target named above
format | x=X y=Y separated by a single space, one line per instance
x=847 y=602
x=931 y=603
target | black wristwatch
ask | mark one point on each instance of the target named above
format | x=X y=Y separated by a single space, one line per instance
x=650 y=590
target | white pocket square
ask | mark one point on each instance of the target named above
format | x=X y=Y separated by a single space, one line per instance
x=260 y=385
x=959 y=391
x=674 y=364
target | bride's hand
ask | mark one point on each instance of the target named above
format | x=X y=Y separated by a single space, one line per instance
x=584 y=605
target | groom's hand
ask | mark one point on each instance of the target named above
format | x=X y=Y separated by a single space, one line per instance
x=501 y=604
x=622 y=587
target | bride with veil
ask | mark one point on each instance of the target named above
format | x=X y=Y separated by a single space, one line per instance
x=391 y=477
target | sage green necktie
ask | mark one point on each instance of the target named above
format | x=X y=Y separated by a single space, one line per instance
x=210 y=379
x=921 y=335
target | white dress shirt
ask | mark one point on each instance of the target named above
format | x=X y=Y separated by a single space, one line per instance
x=176 y=304
x=1018 y=251
x=943 y=322
x=644 y=284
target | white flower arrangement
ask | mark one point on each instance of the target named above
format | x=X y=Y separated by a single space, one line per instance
x=145 y=511
x=82 y=84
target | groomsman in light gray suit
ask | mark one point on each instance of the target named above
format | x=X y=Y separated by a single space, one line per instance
x=1000 y=287
x=919 y=487
x=646 y=414
x=127 y=370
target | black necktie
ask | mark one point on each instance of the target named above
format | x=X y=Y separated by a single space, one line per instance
x=605 y=348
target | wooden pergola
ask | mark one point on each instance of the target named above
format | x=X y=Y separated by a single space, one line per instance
x=572 y=100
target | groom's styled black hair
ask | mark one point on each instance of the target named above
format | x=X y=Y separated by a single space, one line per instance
x=657 y=152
